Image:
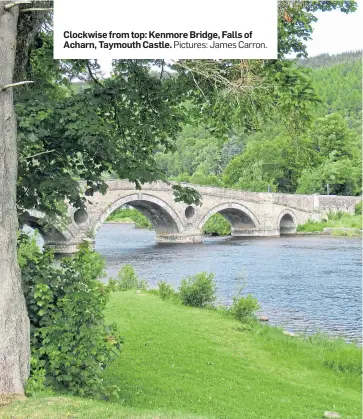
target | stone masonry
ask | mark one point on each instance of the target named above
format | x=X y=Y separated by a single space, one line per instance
x=250 y=213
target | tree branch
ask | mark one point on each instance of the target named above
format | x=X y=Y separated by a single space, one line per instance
x=38 y=154
x=95 y=79
x=37 y=9
x=20 y=83
x=16 y=3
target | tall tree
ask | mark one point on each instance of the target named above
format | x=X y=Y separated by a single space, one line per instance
x=14 y=322
x=16 y=37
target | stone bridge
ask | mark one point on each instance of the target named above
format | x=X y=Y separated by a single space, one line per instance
x=250 y=213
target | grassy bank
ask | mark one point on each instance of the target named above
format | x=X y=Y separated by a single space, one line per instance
x=187 y=362
x=340 y=222
x=129 y=215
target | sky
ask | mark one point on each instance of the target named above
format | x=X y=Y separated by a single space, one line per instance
x=334 y=32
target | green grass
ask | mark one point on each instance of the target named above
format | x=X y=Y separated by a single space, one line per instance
x=339 y=221
x=129 y=215
x=66 y=407
x=186 y=362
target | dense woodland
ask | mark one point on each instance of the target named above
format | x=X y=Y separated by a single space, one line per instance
x=323 y=158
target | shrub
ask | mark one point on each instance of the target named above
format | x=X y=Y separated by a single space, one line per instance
x=358 y=208
x=70 y=342
x=198 y=290
x=244 y=308
x=36 y=382
x=312 y=226
x=128 y=280
x=130 y=214
x=217 y=225
x=112 y=285
x=336 y=215
x=166 y=291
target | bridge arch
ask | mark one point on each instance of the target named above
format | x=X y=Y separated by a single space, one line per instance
x=287 y=222
x=240 y=217
x=34 y=220
x=162 y=217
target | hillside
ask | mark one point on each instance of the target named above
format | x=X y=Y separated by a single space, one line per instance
x=329 y=152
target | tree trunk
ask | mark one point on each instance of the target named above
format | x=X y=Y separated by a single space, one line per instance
x=14 y=322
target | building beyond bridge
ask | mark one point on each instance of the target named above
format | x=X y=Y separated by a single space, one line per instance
x=250 y=213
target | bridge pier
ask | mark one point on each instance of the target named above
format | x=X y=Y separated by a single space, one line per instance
x=189 y=236
x=254 y=232
x=63 y=248
x=285 y=231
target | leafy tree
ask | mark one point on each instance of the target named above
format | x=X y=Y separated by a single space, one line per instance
x=276 y=162
x=333 y=138
x=343 y=177
x=339 y=159
x=115 y=126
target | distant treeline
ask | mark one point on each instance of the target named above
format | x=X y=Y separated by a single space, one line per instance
x=325 y=158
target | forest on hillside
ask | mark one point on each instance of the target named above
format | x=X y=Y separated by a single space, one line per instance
x=323 y=158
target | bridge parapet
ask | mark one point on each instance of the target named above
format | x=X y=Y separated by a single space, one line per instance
x=250 y=213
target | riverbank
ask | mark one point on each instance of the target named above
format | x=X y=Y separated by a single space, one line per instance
x=338 y=224
x=121 y=221
x=187 y=362
x=128 y=216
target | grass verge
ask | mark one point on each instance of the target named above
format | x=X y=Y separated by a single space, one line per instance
x=186 y=362
x=345 y=221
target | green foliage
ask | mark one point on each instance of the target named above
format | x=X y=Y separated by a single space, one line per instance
x=130 y=213
x=338 y=82
x=358 y=208
x=36 y=384
x=166 y=291
x=336 y=215
x=333 y=138
x=244 y=308
x=101 y=126
x=112 y=285
x=327 y=61
x=342 y=176
x=294 y=31
x=217 y=225
x=195 y=150
x=128 y=280
x=71 y=344
x=278 y=155
x=185 y=194
x=311 y=226
x=198 y=290
x=334 y=220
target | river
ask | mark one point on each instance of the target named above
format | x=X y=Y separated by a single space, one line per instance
x=303 y=283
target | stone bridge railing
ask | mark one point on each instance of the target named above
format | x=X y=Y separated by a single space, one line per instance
x=250 y=213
